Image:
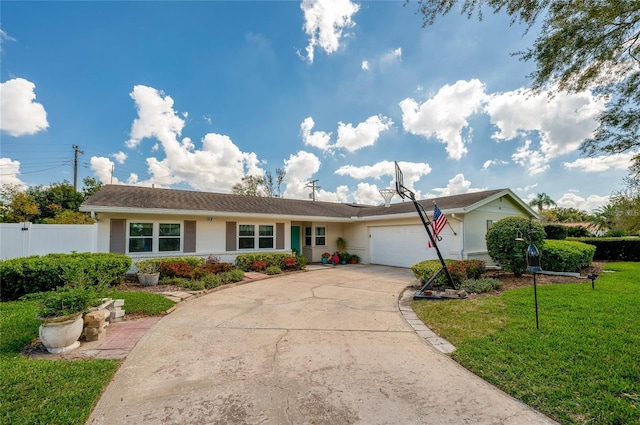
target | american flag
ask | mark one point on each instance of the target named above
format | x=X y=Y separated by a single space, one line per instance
x=438 y=223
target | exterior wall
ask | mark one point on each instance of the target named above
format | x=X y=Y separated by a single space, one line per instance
x=475 y=226
x=210 y=234
x=313 y=252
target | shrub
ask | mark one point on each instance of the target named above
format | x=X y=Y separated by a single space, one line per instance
x=271 y=270
x=27 y=275
x=474 y=268
x=555 y=231
x=245 y=261
x=479 y=286
x=302 y=262
x=215 y=268
x=578 y=232
x=566 y=256
x=503 y=247
x=211 y=280
x=424 y=270
x=289 y=263
x=189 y=267
x=616 y=234
x=259 y=265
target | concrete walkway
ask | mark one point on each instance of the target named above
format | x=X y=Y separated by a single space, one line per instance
x=322 y=347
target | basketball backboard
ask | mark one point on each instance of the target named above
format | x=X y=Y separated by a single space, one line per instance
x=400 y=188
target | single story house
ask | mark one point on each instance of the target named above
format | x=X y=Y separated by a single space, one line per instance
x=145 y=222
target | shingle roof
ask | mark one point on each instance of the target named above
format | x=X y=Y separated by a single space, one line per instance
x=120 y=197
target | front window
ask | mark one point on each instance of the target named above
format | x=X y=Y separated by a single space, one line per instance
x=246 y=236
x=169 y=237
x=154 y=237
x=307 y=236
x=321 y=236
x=140 y=237
x=266 y=237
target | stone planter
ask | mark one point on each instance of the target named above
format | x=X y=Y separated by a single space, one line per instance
x=148 y=279
x=60 y=334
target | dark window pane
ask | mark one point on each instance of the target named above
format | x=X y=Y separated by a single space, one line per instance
x=140 y=229
x=266 y=242
x=246 y=230
x=167 y=229
x=246 y=243
x=140 y=244
x=169 y=244
x=266 y=231
x=320 y=241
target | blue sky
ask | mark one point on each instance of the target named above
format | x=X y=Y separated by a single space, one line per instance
x=196 y=95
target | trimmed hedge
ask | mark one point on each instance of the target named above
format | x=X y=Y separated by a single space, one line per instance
x=566 y=256
x=262 y=261
x=28 y=275
x=458 y=269
x=615 y=249
x=556 y=231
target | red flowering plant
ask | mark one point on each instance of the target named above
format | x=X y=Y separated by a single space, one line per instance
x=290 y=263
x=259 y=265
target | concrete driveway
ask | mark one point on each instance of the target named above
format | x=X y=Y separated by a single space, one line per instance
x=320 y=347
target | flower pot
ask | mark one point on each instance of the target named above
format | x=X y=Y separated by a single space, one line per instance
x=325 y=260
x=148 y=279
x=60 y=334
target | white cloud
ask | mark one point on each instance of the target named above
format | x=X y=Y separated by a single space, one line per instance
x=392 y=56
x=618 y=161
x=368 y=194
x=350 y=138
x=9 y=171
x=444 y=116
x=531 y=159
x=299 y=169
x=491 y=162
x=340 y=195
x=411 y=172
x=572 y=200
x=217 y=166
x=19 y=113
x=364 y=134
x=4 y=37
x=317 y=139
x=365 y=66
x=456 y=186
x=102 y=168
x=120 y=157
x=562 y=121
x=325 y=21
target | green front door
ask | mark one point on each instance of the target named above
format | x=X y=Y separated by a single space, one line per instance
x=295 y=238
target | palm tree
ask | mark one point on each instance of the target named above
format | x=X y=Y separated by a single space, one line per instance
x=540 y=201
x=603 y=218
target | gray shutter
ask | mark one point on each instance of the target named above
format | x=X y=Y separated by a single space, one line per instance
x=279 y=235
x=189 y=236
x=118 y=236
x=231 y=236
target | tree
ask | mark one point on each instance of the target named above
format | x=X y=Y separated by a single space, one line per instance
x=91 y=186
x=16 y=206
x=541 y=200
x=260 y=186
x=569 y=215
x=250 y=186
x=55 y=198
x=603 y=218
x=582 y=45
x=503 y=247
x=69 y=217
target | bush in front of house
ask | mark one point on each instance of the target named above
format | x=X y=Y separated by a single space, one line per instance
x=28 y=275
x=273 y=270
x=262 y=261
x=566 y=256
x=458 y=269
x=480 y=286
x=556 y=231
x=505 y=250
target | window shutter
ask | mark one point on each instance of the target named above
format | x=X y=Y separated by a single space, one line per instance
x=279 y=235
x=231 y=236
x=189 y=236
x=118 y=235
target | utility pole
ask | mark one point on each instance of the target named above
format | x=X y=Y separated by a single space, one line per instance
x=76 y=150
x=312 y=185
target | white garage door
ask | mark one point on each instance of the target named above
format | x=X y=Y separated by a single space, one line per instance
x=403 y=246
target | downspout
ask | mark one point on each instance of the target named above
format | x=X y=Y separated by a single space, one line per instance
x=461 y=221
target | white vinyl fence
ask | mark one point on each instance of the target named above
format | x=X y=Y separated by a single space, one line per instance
x=25 y=239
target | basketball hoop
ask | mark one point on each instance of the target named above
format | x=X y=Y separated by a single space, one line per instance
x=387 y=194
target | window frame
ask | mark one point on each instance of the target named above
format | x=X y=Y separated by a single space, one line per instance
x=155 y=236
x=317 y=236
x=258 y=238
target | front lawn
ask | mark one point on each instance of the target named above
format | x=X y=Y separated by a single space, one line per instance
x=582 y=366
x=53 y=391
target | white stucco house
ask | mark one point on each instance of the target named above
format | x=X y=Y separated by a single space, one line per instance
x=147 y=222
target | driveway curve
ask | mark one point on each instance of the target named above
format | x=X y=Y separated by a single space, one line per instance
x=327 y=346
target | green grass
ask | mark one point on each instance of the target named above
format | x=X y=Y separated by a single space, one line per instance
x=582 y=366
x=54 y=391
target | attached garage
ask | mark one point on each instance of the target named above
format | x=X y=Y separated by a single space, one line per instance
x=403 y=246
